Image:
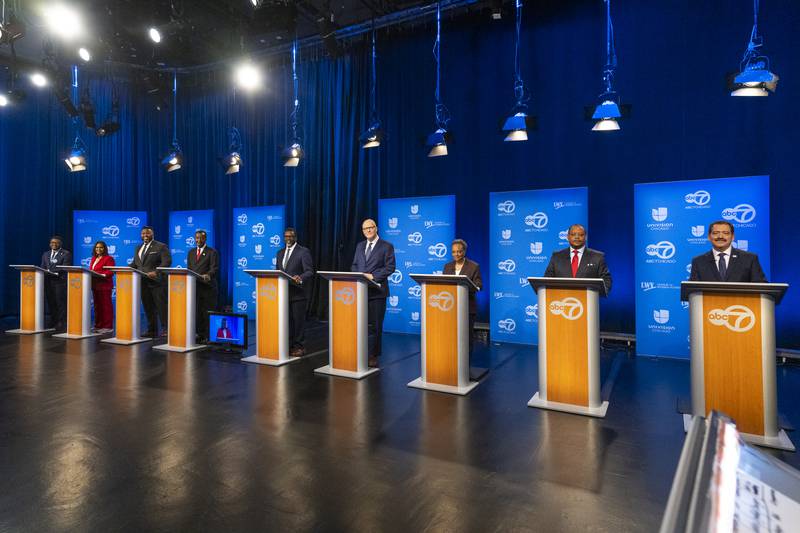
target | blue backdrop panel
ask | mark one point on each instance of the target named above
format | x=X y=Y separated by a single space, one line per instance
x=671 y=221
x=257 y=237
x=182 y=225
x=525 y=228
x=120 y=230
x=421 y=230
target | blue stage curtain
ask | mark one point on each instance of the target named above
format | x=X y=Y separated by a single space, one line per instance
x=673 y=57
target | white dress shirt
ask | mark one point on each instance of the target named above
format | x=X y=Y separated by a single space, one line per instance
x=727 y=253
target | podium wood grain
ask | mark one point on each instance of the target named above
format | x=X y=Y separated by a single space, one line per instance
x=75 y=303
x=27 y=317
x=124 y=305
x=567 y=352
x=345 y=331
x=268 y=318
x=177 y=311
x=441 y=339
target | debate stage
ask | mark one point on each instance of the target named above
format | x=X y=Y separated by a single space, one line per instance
x=105 y=437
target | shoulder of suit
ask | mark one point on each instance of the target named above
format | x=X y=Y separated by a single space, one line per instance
x=743 y=253
x=473 y=263
x=593 y=251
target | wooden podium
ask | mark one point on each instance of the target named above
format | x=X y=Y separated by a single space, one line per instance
x=347 y=325
x=31 y=299
x=732 y=335
x=272 y=318
x=79 y=309
x=444 y=341
x=569 y=345
x=182 y=296
x=128 y=306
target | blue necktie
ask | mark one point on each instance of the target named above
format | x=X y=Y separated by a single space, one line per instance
x=722 y=267
x=369 y=250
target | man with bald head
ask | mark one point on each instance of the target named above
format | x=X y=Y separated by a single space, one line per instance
x=375 y=257
x=578 y=261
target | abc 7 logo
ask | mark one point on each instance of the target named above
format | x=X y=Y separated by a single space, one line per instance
x=661 y=250
x=75 y=282
x=742 y=213
x=28 y=280
x=345 y=295
x=437 y=250
x=123 y=283
x=396 y=277
x=269 y=292
x=570 y=308
x=698 y=198
x=506 y=207
x=177 y=285
x=415 y=238
x=538 y=220
x=736 y=318
x=111 y=231
x=258 y=229
x=507 y=265
x=443 y=301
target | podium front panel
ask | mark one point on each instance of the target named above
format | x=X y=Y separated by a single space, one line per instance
x=30 y=300
x=78 y=310
x=181 y=318
x=125 y=296
x=344 y=337
x=267 y=318
x=442 y=332
x=566 y=341
x=732 y=358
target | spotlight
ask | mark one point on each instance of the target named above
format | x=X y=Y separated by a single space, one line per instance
x=373 y=137
x=84 y=54
x=12 y=30
x=38 y=79
x=248 y=76
x=438 y=141
x=3 y=100
x=63 y=21
x=516 y=127
x=606 y=115
x=61 y=93
x=76 y=159
x=174 y=158
x=755 y=80
x=497 y=9
x=256 y=3
x=111 y=124
x=292 y=155
x=232 y=162
x=154 y=34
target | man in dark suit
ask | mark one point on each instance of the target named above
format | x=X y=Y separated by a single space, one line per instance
x=295 y=260
x=375 y=257
x=578 y=261
x=148 y=256
x=204 y=260
x=724 y=262
x=55 y=287
x=466 y=267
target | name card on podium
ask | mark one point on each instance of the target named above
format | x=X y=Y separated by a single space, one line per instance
x=181 y=298
x=79 y=309
x=128 y=315
x=31 y=299
x=347 y=325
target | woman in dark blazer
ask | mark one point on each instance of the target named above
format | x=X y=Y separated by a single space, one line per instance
x=465 y=267
x=102 y=287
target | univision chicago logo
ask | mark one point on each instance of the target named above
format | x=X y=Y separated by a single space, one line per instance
x=393 y=222
x=393 y=301
x=737 y=318
x=659 y=214
x=741 y=214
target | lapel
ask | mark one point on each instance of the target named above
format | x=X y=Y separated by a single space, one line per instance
x=733 y=262
x=582 y=265
x=713 y=266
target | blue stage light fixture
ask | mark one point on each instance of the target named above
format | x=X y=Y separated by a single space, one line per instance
x=754 y=77
x=438 y=140
x=608 y=113
x=76 y=158
x=174 y=159
x=373 y=136
x=294 y=153
x=516 y=126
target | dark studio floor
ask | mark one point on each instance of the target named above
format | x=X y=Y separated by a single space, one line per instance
x=95 y=437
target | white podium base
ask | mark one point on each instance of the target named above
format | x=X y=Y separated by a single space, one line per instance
x=71 y=336
x=179 y=349
x=597 y=412
x=330 y=371
x=270 y=362
x=28 y=331
x=114 y=340
x=779 y=442
x=449 y=389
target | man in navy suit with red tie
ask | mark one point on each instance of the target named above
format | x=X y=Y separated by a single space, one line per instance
x=578 y=261
x=375 y=258
x=724 y=262
x=295 y=260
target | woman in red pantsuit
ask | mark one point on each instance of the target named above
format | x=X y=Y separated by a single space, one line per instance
x=101 y=288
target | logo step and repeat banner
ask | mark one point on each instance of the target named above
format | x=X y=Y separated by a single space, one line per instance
x=526 y=227
x=182 y=226
x=421 y=230
x=257 y=237
x=671 y=221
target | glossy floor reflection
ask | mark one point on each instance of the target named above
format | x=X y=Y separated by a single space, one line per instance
x=105 y=438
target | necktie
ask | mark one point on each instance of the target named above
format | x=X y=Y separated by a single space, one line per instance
x=286 y=256
x=369 y=250
x=143 y=250
x=723 y=268
x=53 y=256
x=574 y=263
x=198 y=254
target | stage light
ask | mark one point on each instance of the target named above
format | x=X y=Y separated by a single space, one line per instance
x=111 y=124
x=516 y=125
x=248 y=76
x=3 y=100
x=11 y=30
x=154 y=34
x=174 y=159
x=373 y=136
x=76 y=158
x=233 y=160
x=63 y=21
x=497 y=9
x=754 y=77
x=437 y=143
x=608 y=113
x=84 y=54
x=256 y=3
x=38 y=79
x=292 y=155
x=438 y=140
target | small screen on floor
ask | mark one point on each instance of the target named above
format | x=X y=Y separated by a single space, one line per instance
x=228 y=329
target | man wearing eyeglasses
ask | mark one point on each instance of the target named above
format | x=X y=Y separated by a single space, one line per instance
x=375 y=258
x=724 y=262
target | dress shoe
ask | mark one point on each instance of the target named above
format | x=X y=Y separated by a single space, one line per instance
x=149 y=334
x=372 y=362
x=299 y=351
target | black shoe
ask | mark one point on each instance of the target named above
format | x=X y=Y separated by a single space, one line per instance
x=372 y=362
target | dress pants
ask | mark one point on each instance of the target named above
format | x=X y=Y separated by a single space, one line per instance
x=376 y=309
x=206 y=301
x=297 y=322
x=55 y=291
x=154 y=301
x=103 y=309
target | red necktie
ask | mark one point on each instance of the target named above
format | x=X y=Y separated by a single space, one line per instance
x=198 y=254
x=574 y=263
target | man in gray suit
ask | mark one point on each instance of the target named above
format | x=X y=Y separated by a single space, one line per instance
x=578 y=261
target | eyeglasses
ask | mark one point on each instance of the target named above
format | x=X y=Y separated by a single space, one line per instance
x=368 y=227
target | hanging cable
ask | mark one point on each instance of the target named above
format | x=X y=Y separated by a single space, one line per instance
x=440 y=110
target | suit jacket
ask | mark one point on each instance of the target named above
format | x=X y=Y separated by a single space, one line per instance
x=207 y=264
x=157 y=256
x=472 y=270
x=299 y=264
x=380 y=264
x=63 y=258
x=592 y=265
x=107 y=283
x=742 y=267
